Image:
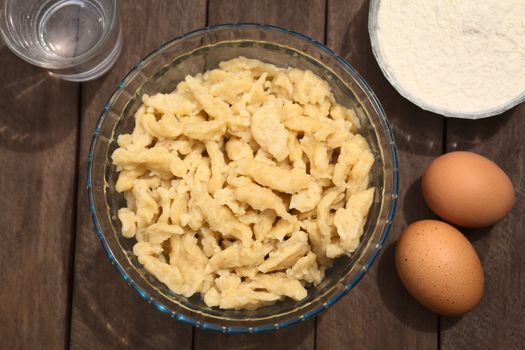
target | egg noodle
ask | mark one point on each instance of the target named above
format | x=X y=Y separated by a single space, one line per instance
x=244 y=183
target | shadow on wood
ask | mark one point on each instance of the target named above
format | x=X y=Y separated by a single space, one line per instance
x=475 y=132
x=414 y=206
x=22 y=127
x=392 y=290
x=300 y=336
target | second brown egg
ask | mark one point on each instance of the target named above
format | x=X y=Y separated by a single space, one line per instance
x=439 y=267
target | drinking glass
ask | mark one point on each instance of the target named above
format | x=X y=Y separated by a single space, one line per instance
x=75 y=40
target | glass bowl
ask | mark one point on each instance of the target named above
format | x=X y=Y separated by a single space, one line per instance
x=197 y=52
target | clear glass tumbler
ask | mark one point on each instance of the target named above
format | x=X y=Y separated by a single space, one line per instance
x=75 y=40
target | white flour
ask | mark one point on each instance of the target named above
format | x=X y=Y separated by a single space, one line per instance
x=465 y=56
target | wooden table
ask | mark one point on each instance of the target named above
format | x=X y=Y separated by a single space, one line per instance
x=58 y=290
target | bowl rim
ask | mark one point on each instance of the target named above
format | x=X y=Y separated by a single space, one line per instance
x=296 y=319
x=373 y=11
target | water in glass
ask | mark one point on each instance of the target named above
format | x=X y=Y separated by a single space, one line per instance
x=74 y=39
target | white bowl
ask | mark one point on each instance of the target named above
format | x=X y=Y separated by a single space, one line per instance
x=390 y=76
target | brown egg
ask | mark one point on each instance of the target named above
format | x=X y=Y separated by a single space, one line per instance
x=439 y=267
x=467 y=189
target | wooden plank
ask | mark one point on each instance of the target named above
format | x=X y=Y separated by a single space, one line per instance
x=38 y=150
x=499 y=321
x=378 y=313
x=306 y=17
x=107 y=314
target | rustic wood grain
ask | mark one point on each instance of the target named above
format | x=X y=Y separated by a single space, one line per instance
x=38 y=148
x=499 y=321
x=39 y=131
x=107 y=314
x=379 y=313
x=306 y=17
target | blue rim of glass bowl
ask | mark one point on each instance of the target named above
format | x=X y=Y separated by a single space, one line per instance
x=286 y=323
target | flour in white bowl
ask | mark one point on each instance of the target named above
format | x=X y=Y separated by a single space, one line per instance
x=456 y=56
